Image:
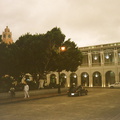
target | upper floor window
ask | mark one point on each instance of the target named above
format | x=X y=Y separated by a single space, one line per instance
x=96 y=59
x=85 y=59
x=108 y=57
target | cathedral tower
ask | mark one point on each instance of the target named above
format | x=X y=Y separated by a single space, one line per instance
x=7 y=36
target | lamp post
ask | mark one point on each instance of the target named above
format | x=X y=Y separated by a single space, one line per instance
x=61 y=49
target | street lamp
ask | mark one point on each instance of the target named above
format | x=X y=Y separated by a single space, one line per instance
x=61 y=49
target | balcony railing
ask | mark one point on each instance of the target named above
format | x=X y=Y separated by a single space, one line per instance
x=96 y=64
x=109 y=63
x=84 y=65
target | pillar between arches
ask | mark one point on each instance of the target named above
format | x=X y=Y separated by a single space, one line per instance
x=78 y=80
x=48 y=79
x=103 y=81
x=68 y=79
x=90 y=81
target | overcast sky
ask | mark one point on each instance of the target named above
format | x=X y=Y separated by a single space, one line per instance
x=86 y=22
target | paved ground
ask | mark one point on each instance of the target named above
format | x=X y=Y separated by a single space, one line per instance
x=35 y=94
x=99 y=104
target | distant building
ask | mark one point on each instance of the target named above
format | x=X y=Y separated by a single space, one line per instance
x=7 y=36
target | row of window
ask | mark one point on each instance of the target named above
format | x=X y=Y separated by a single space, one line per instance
x=108 y=58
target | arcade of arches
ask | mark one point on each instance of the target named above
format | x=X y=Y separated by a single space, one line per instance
x=83 y=79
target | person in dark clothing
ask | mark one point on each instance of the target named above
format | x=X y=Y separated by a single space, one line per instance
x=72 y=88
x=12 y=92
x=59 y=90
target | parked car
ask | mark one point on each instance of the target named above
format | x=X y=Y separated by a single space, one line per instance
x=77 y=91
x=115 y=85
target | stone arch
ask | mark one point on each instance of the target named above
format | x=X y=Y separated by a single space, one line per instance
x=63 y=79
x=85 y=79
x=73 y=79
x=109 y=78
x=52 y=81
x=97 y=80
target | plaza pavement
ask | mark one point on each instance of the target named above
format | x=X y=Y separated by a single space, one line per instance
x=34 y=94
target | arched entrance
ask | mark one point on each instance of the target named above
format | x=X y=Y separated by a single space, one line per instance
x=109 y=78
x=63 y=79
x=97 y=79
x=73 y=79
x=84 y=79
x=52 y=81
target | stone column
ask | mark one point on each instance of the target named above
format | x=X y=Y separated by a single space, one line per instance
x=103 y=80
x=48 y=79
x=89 y=59
x=90 y=81
x=78 y=79
x=115 y=57
x=102 y=58
x=116 y=64
x=57 y=78
x=67 y=79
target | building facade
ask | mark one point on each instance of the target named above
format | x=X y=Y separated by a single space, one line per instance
x=7 y=36
x=100 y=67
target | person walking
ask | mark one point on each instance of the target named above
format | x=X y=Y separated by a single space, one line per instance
x=26 y=91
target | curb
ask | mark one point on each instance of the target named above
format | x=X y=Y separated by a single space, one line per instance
x=19 y=99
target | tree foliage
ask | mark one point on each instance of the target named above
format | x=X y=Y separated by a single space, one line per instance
x=39 y=53
x=0 y=38
x=69 y=59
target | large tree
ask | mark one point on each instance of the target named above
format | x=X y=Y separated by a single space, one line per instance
x=39 y=54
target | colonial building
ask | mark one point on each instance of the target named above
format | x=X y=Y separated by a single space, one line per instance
x=7 y=36
x=100 y=67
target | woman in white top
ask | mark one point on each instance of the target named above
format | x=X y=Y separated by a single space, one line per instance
x=26 y=91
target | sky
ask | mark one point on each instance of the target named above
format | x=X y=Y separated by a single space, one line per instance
x=86 y=22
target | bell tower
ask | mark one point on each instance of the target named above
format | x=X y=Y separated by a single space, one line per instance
x=7 y=36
